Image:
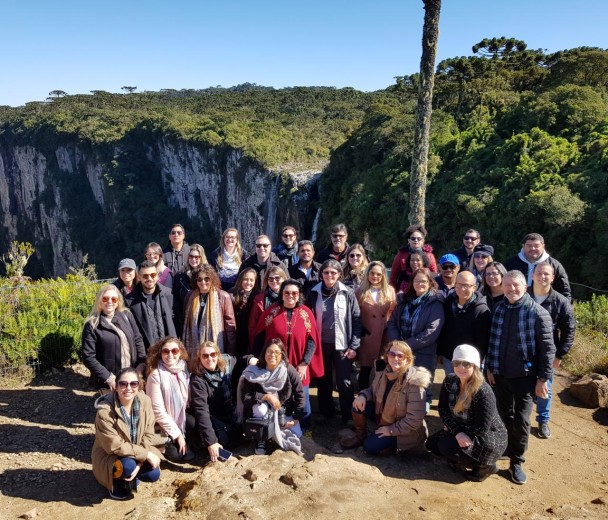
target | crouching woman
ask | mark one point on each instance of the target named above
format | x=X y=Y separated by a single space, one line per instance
x=396 y=401
x=473 y=436
x=124 y=451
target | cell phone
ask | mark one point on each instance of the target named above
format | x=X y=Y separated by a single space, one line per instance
x=224 y=455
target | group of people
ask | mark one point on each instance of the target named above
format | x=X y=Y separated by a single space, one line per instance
x=229 y=344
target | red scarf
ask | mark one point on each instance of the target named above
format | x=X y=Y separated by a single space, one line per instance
x=294 y=335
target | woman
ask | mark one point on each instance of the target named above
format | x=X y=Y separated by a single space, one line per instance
x=294 y=324
x=339 y=323
x=415 y=236
x=154 y=253
x=228 y=257
x=482 y=256
x=167 y=386
x=491 y=286
x=396 y=400
x=209 y=313
x=473 y=435
x=418 y=319
x=124 y=451
x=271 y=284
x=273 y=385
x=111 y=340
x=127 y=276
x=356 y=263
x=376 y=301
x=242 y=296
x=211 y=402
x=182 y=283
x=417 y=260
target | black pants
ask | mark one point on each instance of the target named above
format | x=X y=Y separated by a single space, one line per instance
x=445 y=445
x=335 y=362
x=515 y=401
x=228 y=434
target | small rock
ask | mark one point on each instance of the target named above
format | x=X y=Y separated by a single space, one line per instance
x=250 y=475
x=32 y=513
x=599 y=500
x=592 y=390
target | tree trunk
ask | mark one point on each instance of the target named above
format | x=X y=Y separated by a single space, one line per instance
x=418 y=179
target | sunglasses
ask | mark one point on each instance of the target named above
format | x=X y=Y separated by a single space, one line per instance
x=291 y=293
x=106 y=299
x=230 y=237
x=262 y=245
x=174 y=351
x=212 y=355
x=330 y=273
x=450 y=267
x=336 y=235
x=276 y=353
x=469 y=238
x=177 y=232
x=125 y=384
x=396 y=355
x=194 y=256
x=288 y=236
x=205 y=280
x=149 y=276
x=355 y=255
x=479 y=255
x=464 y=364
x=275 y=278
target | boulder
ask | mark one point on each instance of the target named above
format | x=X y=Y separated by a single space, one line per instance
x=592 y=390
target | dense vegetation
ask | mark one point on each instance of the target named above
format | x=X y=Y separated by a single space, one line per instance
x=519 y=144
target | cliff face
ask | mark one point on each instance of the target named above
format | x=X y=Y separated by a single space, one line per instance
x=72 y=199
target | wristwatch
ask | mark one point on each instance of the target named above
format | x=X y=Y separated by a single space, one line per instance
x=542 y=379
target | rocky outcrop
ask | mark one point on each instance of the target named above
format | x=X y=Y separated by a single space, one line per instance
x=592 y=390
x=75 y=199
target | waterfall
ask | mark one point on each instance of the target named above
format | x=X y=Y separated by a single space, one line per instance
x=271 y=209
x=315 y=225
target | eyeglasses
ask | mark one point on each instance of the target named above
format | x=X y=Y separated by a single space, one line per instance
x=288 y=235
x=174 y=351
x=149 y=276
x=469 y=238
x=106 y=299
x=177 y=232
x=206 y=279
x=274 y=353
x=466 y=285
x=275 y=278
x=338 y=235
x=125 y=384
x=291 y=293
x=416 y=239
x=396 y=355
x=152 y=253
x=211 y=355
x=464 y=364
x=262 y=245
x=330 y=273
x=352 y=255
x=448 y=267
x=423 y=281
x=492 y=274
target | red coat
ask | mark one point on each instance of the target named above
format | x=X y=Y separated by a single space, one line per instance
x=401 y=264
x=294 y=335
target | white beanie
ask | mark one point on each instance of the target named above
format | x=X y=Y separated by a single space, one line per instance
x=467 y=353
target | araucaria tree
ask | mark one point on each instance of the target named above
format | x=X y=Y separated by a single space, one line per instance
x=418 y=179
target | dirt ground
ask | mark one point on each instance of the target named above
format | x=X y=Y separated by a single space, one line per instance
x=46 y=434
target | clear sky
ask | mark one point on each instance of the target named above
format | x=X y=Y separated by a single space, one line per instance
x=79 y=46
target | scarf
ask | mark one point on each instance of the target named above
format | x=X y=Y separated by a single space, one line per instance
x=125 y=348
x=211 y=325
x=271 y=382
x=531 y=265
x=329 y=291
x=385 y=410
x=283 y=252
x=411 y=314
x=525 y=324
x=456 y=310
x=174 y=383
x=132 y=420
x=270 y=297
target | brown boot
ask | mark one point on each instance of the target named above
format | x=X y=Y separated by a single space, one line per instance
x=360 y=423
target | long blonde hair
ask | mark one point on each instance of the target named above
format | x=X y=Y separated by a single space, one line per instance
x=238 y=256
x=386 y=293
x=96 y=312
x=467 y=393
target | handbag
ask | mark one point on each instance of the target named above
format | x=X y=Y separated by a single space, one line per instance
x=259 y=428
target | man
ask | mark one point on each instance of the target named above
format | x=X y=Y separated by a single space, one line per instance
x=151 y=305
x=533 y=253
x=449 y=267
x=287 y=249
x=306 y=270
x=175 y=255
x=262 y=259
x=467 y=320
x=519 y=363
x=465 y=253
x=564 y=324
x=338 y=247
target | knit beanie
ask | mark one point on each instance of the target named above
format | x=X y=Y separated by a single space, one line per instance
x=467 y=353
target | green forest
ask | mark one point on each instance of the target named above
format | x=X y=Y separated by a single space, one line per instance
x=519 y=144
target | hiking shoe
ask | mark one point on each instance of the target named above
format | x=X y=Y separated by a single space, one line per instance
x=517 y=474
x=260 y=448
x=120 y=491
x=543 y=430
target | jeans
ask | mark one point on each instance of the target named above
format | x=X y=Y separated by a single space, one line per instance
x=515 y=400
x=334 y=361
x=125 y=466
x=374 y=444
x=306 y=415
x=543 y=406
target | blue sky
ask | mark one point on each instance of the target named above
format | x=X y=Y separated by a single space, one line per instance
x=82 y=46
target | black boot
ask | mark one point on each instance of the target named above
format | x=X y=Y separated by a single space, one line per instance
x=482 y=472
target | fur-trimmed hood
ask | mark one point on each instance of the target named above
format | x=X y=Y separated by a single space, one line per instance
x=418 y=376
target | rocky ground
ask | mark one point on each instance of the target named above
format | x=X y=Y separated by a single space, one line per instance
x=46 y=434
